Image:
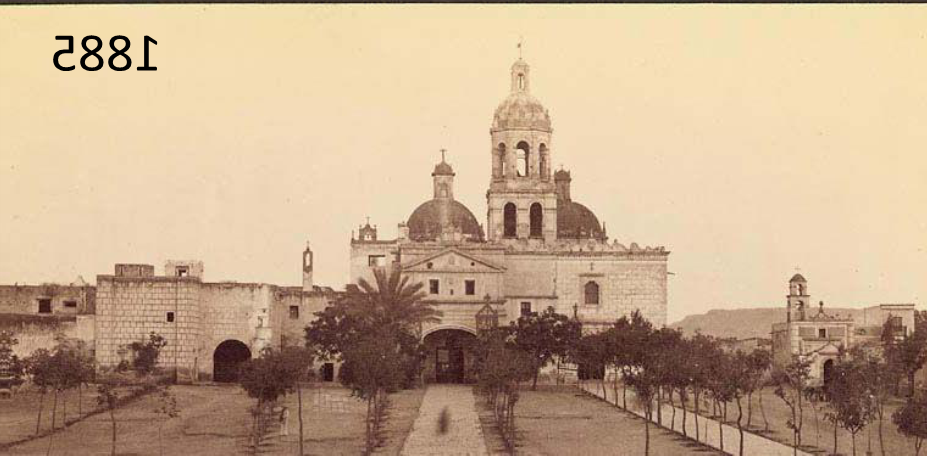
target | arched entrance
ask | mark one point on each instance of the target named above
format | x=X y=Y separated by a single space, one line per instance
x=227 y=360
x=828 y=372
x=447 y=359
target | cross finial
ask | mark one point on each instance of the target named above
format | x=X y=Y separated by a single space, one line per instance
x=443 y=151
x=368 y=220
x=520 y=41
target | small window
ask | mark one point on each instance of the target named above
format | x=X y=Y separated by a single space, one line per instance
x=591 y=291
x=376 y=260
x=526 y=309
x=470 y=287
x=45 y=306
x=71 y=304
x=294 y=312
x=430 y=265
x=822 y=333
x=170 y=317
x=182 y=271
x=433 y=287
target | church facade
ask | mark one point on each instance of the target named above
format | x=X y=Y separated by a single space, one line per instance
x=539 y=247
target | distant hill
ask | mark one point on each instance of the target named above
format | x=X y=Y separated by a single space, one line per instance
x=744 y=323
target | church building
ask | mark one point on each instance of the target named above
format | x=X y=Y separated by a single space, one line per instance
x=539 y=247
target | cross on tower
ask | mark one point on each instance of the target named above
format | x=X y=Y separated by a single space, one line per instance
x=520 y=40
x=443 y=151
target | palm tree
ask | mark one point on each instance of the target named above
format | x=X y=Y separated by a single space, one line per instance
x=392 y=302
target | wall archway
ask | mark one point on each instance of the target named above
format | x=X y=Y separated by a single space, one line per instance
x=227 y=360
x=448 y=355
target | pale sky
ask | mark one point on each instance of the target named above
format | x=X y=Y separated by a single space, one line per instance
x=749 y=140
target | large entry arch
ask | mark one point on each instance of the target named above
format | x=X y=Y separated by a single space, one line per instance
x=227 y=359
x=449 y=356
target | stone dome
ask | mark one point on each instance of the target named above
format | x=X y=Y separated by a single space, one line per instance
x=521 y=111
x=575 y=221
x=443 y=169
x=425 y=222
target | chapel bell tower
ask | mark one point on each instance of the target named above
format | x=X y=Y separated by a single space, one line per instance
x=798 y=298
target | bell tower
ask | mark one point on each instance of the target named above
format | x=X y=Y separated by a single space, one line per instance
x=798 y=298
x=522 y=199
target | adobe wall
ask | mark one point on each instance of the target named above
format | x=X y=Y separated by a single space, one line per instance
x=289 y=331
x=24 y=299
x=35 y=332
x=233 y=311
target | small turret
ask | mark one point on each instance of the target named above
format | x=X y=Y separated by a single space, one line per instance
x=307 y=268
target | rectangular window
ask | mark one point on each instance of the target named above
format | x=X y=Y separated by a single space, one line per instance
x=71 y=304
x=376 y=260
x=182 y=271
x=170 y=317
x=433 y=287
x=822 y=333
x=45 y=306
x=526 y=309
x=294 y=312
x=470 y=287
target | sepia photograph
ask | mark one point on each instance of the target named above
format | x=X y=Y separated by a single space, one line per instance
x=463 y=229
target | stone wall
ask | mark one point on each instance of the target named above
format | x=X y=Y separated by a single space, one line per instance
x=625 y=284
x=130 y=308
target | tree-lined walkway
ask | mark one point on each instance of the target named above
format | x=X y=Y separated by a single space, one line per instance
x=753 y=444
x=463 y=435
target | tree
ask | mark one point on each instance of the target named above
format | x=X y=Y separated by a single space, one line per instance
x=40 y=369
x=881 y=381
x=12 y=368
x=265 y=379
x=758 y=363
x=108 y=399
x=740 y=374
x=146 y=354
x=544 y=336
x=911 y=420
x=500 y=366
x=394 y=306
x=849 y=395
x=370 y=371
x=167 y=409
x=701 y=351
x=628 y=339
x=791 y=381
x=722 y=375
x=645 y=380
x=910 y=354
x=592 y=353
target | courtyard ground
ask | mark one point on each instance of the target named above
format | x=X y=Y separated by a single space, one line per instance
x=562 y=420
x=215 y=420
x=820 y=438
